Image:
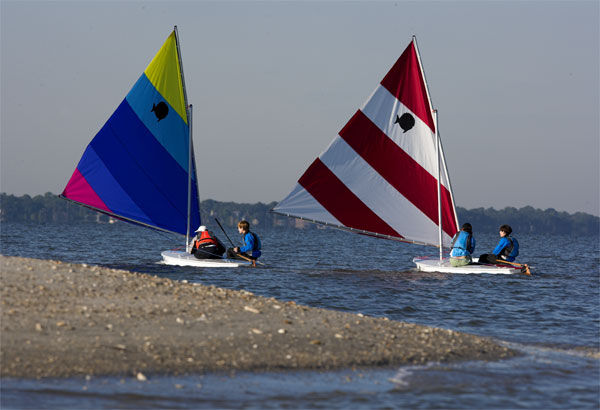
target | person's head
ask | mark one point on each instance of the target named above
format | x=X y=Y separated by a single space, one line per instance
x=200 y=229
x=506 y=230
x=243 y=226
x=467 y=227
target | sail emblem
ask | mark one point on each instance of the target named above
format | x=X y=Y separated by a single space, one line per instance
x=161 y=110
x=406 y=122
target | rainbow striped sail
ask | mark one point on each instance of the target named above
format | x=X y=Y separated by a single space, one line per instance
x=381 y=174
x=140 y=166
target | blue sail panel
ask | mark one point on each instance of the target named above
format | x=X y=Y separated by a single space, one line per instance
x=99 y=178
x=162 y=121
x=149 y=175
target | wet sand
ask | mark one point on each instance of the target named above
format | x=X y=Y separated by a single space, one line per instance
x=61 y=319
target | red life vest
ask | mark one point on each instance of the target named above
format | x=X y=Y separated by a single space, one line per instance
x=205 y=239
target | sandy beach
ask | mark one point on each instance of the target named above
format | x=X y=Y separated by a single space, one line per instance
x=62 y=319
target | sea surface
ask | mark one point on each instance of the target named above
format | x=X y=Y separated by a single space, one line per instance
x=552 y=317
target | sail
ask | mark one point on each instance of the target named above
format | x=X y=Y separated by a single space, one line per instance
x=379 y=174
x=137 y=166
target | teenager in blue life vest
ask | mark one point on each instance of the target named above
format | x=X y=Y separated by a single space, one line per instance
x=251 y=247
x=463 y=246
x=506 y=250
x=205 y=245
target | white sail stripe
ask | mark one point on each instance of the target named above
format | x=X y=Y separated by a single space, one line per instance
x=381 y=108
x=302 y=204
x=377 y=194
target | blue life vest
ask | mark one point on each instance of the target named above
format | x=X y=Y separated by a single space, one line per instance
x=256 y=245
x=462 y=244
x=512 y=250
x=256 y=242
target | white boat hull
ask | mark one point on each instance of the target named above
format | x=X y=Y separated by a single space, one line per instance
x=180 y=258
x=430 y=264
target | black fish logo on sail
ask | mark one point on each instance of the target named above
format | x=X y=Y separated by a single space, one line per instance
x=406 y=121
x=161 y=110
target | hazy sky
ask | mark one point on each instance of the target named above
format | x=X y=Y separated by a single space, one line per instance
x=516 y=85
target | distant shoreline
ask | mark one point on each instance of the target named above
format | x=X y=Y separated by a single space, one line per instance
x=64 y=320
x=49 y=208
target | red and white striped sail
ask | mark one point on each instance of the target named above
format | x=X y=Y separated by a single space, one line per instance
x=379 y=175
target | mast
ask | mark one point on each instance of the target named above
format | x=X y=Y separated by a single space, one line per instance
x=190 y=147
x=189 y=194
x=185 y=99
x=437 y=150
x=439 y=190
x=447 y=176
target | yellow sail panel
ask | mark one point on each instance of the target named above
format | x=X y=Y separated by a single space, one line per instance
x=165 y=75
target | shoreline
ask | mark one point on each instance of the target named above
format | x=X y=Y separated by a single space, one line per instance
x=63 y=320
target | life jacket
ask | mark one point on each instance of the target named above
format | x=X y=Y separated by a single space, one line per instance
x=205 y=239
x=512 y=250
x=462 y=241
x=256 y=244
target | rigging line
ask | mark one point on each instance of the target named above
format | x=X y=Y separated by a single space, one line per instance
x=169 y=235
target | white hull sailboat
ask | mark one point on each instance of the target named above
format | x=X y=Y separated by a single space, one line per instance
x=180 y=258
x=429 y=264
x=385 y=174
x=140 y=166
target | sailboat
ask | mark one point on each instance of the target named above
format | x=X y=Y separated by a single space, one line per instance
x=140 y=166
x=385 y=174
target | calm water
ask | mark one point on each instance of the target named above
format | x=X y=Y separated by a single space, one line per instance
x=552 y=317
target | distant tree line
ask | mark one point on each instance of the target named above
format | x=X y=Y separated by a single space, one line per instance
x=50 y=208
x=530 y=220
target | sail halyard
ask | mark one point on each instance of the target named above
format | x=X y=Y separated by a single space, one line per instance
x=191 y=165
x=437 y=150
x=189 y=193
x=449 y=182
x=440 y=158
x=439 y=188
x=414 y=40
x=444 y=168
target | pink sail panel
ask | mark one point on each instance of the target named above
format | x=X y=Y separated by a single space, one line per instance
x=79 y=190
x=385 y=159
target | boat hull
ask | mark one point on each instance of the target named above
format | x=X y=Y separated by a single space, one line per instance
x=180 y=258
x=430 y=264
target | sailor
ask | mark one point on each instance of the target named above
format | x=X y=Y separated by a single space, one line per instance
x=252 y=245
x=205 y=245
x=506 y=250
x=463 y=245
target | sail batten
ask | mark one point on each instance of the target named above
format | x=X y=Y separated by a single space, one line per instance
x=137 y=166
x=380 y=173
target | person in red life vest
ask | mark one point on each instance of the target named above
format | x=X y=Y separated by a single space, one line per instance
x=205 y=245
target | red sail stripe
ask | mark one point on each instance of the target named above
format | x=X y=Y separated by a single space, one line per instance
x=406 y=82
x=340 y=202
x=399 y=169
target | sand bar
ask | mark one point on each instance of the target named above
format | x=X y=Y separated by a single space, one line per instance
x=63 y=319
